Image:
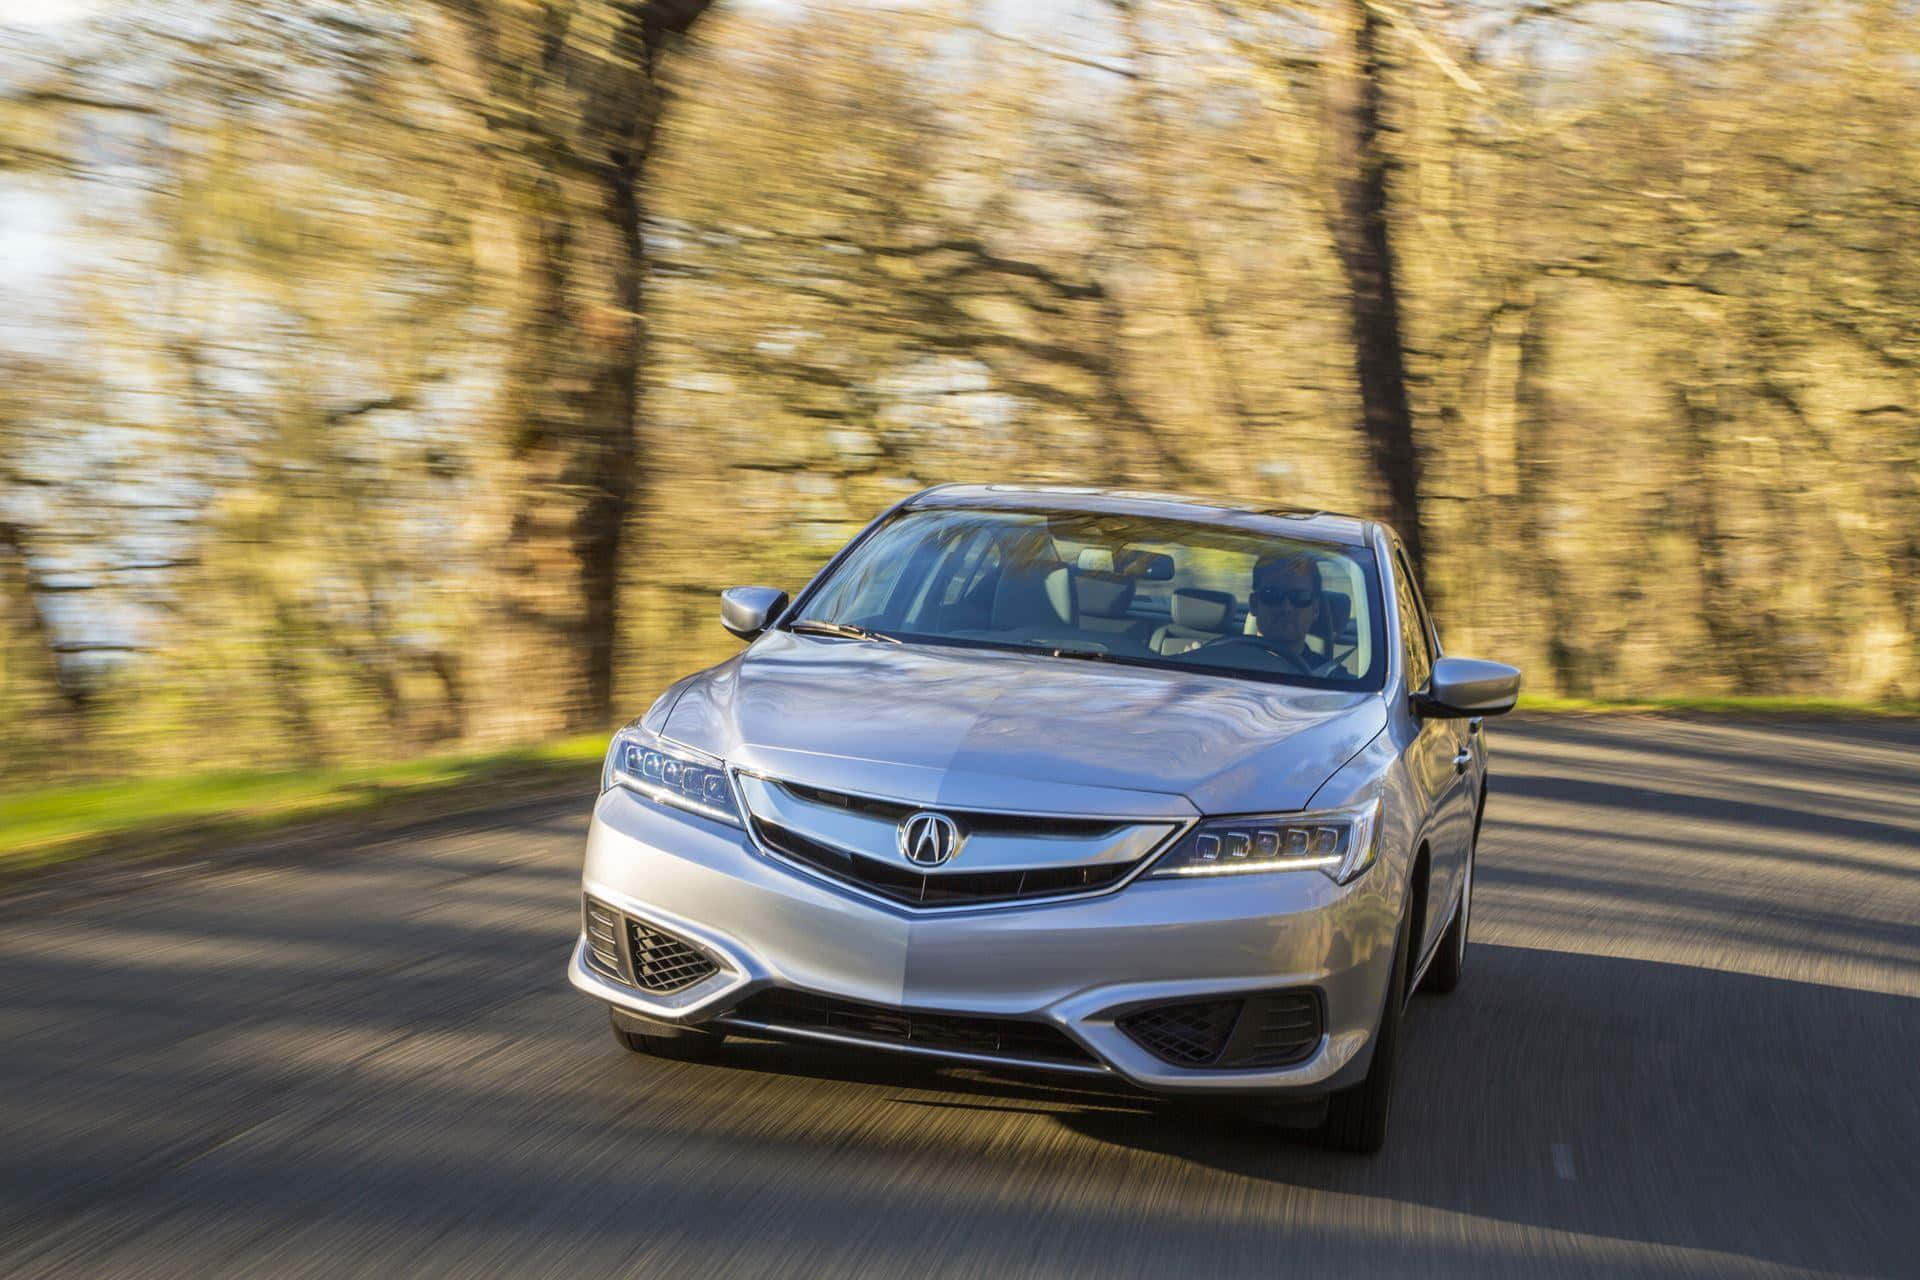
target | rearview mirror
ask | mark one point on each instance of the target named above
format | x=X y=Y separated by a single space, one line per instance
x=1154 y=566
x=747 y=611
x=1462 y=687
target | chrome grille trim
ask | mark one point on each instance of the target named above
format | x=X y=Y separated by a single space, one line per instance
x=944 y=889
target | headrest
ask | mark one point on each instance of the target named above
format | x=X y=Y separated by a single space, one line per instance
x=1059 y=584
x=1104 y=595
x=1034 y=595
x=1202 y=610
x=1339 y=608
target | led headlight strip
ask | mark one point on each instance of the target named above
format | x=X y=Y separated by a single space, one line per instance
x=673 y=776
x=1339 y=843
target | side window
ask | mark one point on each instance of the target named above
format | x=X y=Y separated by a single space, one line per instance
x=1413 y=626
x=1427 y=626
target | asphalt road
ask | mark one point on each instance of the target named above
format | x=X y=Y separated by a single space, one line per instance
x=1688 y=1042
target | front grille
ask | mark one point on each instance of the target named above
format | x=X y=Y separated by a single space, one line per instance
x=903 y=884
x=1268 y=1030
x=977 y=822
x=640 y=954
x=779 y=1008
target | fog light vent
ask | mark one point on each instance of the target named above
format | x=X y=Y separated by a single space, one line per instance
x=1271 y=1029
x=603 y=939
x=662 y=962
x=1186 y=1035
x=642 y=955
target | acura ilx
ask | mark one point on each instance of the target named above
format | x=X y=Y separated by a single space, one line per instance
x=1179 y=793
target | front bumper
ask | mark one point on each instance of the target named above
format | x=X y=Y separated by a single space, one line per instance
x=1076 y=965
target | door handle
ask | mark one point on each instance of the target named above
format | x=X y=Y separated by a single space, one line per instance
x=1463 y=759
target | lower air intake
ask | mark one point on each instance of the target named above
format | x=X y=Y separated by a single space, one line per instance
x=1017 y=1038
x=603 y=939
x=1273 y=1029
x=640 y=954
x=662 y=962
x=1187 y=1035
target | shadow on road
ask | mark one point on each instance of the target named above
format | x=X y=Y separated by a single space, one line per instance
x=1624 y=1099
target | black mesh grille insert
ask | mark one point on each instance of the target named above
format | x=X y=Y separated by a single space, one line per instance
x=903 y=884
x=662 y=962
x=1267 y=1030
x=1187 y=1035
x=641 y=954
x=1010 y=1037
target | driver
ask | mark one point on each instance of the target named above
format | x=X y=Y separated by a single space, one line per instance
x=1286 y=604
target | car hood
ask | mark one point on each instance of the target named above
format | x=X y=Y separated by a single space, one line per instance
x=988 y=729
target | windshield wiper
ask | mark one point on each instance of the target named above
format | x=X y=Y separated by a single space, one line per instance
x=845 y=630
x=1085 y=655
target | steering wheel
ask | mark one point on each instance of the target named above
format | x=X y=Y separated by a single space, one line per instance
x=1258 y=642
x=1293 y=664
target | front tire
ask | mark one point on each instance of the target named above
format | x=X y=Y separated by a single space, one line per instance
x=1443 y=975
x=661 y=1040
x=1357 y=1116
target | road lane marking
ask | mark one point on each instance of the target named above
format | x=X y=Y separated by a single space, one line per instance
x=1563 y=1161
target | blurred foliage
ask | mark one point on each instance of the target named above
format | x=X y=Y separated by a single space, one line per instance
x=390 y=377
x=176 y=813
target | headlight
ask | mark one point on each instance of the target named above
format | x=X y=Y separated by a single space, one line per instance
x=685 y=779
x=1339 y=843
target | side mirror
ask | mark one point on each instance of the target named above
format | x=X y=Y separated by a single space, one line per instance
x=747 y=611
x=1462 y=687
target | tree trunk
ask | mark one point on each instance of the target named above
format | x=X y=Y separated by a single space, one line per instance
x=30 y=657
x=1171 y=242
x=1739 y=633
x=575 y=128
x=1542 y=576
x=1362 y=236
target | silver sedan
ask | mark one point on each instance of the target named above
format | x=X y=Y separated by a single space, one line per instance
x=1066 y=780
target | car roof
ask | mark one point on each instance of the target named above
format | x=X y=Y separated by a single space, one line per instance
x=1308 y=522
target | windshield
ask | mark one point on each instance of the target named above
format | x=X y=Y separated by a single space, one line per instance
x=1090 y=585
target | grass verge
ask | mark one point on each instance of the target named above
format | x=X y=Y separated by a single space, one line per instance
x=1728 y=705
x=148 y=817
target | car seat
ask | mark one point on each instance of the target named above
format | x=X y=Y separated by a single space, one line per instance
x=1105 y=601
x=1198 y=616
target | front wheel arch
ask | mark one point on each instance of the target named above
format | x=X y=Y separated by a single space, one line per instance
x=1417 y=880
x=1450 y=954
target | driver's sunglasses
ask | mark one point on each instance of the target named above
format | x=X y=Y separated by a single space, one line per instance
x=1298 y=597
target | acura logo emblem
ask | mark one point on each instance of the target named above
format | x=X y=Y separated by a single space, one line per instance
x=929 y=839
